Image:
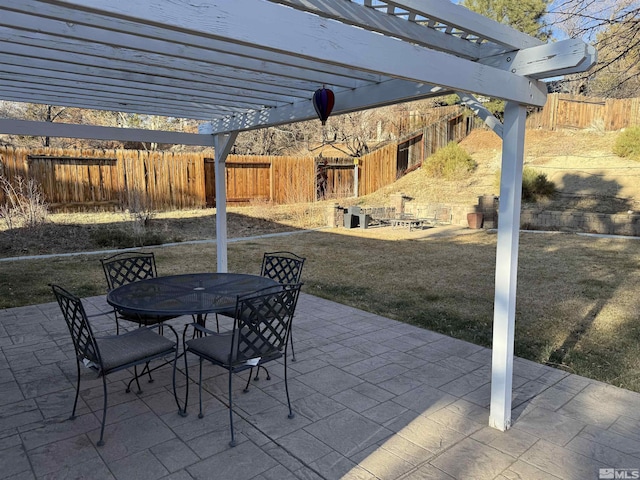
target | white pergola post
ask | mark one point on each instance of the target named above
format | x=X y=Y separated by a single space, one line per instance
x=222 y=144
x=507 y=265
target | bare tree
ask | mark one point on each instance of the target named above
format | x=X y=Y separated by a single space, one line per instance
x=613 y=27
x=282 y=140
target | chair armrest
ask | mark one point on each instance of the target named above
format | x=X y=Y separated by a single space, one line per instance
x=161 y=328
x=101 y=314
x=110 y=314
x=196 y=326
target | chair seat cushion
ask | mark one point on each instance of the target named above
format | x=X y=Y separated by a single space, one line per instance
x=132 y=347
x=216 y=347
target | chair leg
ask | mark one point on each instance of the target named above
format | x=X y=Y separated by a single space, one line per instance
x=149 y=372
x=104 y=410
x=135 y=377
x=183 y=413
x=246 y=387
x=75 y=402
x=232 y=443
x=257 y=377
x=293 y=352
x=146 y=367
x=175 y=390
x=286 y=387
x=266 y=370
x=200 y=415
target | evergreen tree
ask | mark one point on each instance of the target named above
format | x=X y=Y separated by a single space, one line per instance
x=524 y=15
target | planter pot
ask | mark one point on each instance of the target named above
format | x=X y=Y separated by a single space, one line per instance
x=475 y=220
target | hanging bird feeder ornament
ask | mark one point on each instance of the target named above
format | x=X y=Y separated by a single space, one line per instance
x=323 y=100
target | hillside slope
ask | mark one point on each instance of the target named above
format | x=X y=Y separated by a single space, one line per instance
x=588 y=176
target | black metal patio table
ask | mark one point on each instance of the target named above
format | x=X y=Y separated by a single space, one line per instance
x=195 y=294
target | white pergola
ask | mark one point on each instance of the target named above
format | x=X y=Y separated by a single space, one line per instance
x=247 y=64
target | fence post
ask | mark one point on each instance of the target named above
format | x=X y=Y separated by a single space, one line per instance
x=356 y=163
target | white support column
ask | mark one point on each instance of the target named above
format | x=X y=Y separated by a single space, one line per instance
x=507 y=265
x=222 y=143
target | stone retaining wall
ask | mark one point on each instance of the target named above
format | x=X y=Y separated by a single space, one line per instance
x=611 y=224
x=530 y=218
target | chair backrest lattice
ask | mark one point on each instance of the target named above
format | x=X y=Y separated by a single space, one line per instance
x=284 y=267
x=124 y=268
x=79 y=327
x=262 y=322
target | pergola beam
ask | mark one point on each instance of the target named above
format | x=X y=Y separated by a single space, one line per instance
x=67 y=130
x=549 y=60
x=371 y=96
x=481 y=111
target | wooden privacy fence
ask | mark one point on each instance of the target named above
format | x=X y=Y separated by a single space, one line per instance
x=108 y=179
x=378 y=169
x=263 y=179
x=118 y=179
x=413 y=150
x=574 y=111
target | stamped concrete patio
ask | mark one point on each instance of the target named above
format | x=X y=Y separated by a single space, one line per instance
x=374 y=398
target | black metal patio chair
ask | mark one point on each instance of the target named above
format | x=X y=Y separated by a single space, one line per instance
x=112 y=353
x=127 y=267
x=286 y=268
x=260 y=335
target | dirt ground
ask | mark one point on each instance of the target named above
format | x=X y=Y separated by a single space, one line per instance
x=588 y=176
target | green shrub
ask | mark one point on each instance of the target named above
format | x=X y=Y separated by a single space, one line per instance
x=451 y=163
x=452 y=99
x=628 y=143
x=535 y=185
